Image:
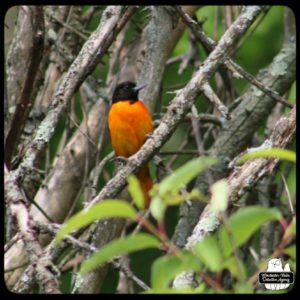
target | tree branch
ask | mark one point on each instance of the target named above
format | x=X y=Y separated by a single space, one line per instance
x=210 y=94
x=236 y=133
x=34 y=21
x=85 y=62
x=148 y=56
x=45 y=272
x=53 y=229
x=237 y=70
x=179 y=106
x=92 y=51
x=240 y=180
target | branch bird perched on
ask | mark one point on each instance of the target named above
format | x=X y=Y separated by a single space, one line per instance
x=130 y=122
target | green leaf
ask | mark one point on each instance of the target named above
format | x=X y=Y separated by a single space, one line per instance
x=243 y=288
x=157 y=208
x=273 y=152
x=165 y=268
x=119 y=247
x=220 y=196
x=292 y=264
x=105 y=209
x=135 y=191
x=291 y=251
x=238 y=271
x=167 y=192
x=243 y=224
x=200 y=289
x=291 y=230
x=183 y=175
x=176 y=199
x=293 y=227
x=209 y=253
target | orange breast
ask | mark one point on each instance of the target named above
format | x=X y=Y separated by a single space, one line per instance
x=129 y=123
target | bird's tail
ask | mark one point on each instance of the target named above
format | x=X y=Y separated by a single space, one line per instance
x=146 y=183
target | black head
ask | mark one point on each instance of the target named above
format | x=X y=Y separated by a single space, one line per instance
x=126 y=91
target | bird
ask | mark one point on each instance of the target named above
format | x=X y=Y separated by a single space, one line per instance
x=130 y=123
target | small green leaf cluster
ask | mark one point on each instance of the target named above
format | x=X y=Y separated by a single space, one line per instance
x=209 y=257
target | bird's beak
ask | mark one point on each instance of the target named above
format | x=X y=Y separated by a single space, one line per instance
x=140 y=87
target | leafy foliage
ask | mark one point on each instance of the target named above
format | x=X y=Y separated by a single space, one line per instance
x=167 y=192
x=165 y=268
x=119 y=247
x=242 y=225
x=214 y=253
x=269 y=153
x=105 y=209
x=220 y=195
x=135 y=191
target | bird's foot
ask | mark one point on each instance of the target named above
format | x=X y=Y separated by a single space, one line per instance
x=121 y=161
x=149 y=136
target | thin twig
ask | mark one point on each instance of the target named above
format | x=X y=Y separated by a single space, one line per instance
x=250 y=32
x=191 y=56
x=67 y=26
x=64 y=261
x=234 y=246
x=88 y=58
x=206 y=118
x=146 y=215
x=177 y=110
x=274 y=95
x=254 y=254
x=13 y=240
x=244 y=178
x=85 y=62
x=88 y=15
x=41 y=210
x=128 y=273
x=208 y=43
x=210 y=94
x=11 y=269
x=196 y=130
x=97 y=172
x=199 y=141
x=288 y=195
x=25 y=100
x=180 y=148
x=46 y=272
x=53 y=229
x=174 y=60
x=112 y=78
x=230 y=64
x=180 y=152
x=216 y=23
x=78 y=127
x=180 y=105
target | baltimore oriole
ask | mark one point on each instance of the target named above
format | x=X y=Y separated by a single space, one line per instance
x=130 y=122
